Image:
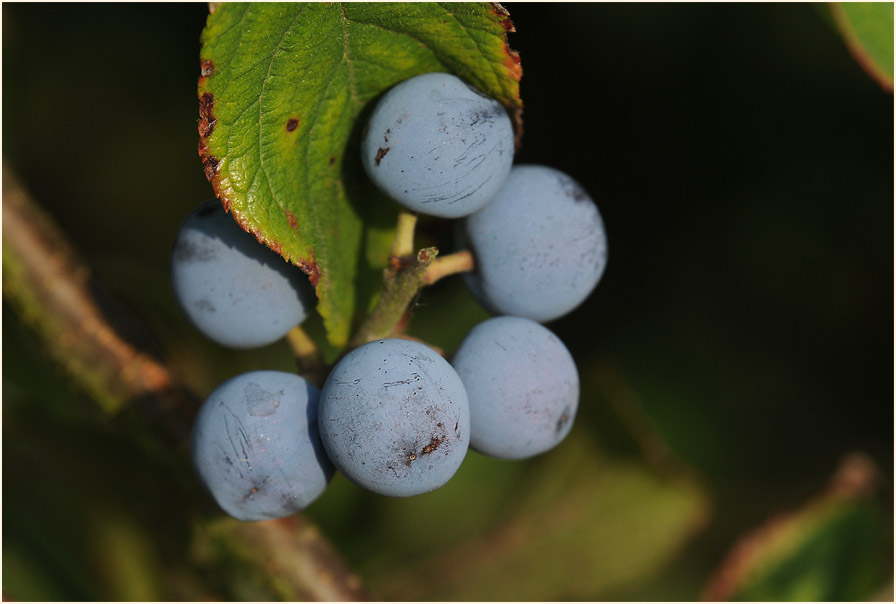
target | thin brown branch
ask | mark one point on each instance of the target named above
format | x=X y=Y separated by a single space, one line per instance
x=50 y=286
x=296 y=559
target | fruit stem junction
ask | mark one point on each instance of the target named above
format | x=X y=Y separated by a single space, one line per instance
x=400 y=289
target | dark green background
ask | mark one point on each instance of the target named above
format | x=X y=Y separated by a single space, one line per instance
x=743 y=164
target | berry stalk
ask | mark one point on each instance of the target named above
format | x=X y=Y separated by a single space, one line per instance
x=400 y=289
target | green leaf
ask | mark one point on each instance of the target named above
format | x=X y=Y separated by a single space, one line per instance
x=580 y=523
x=832 y=549
x=283 y=92
x=867 y=28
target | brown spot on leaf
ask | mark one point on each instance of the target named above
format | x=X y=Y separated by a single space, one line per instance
x=504 y=16
x=332 y=160
x=207 y=119
x=211 y=166
x=312 y=270
x=275 y=246
x=380 y=154
x=513 y=63
x=206 y=68
x=514 y=68
x=293 y=221
x=292 y=123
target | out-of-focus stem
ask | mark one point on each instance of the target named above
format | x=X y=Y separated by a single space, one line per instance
x=309 y=360
x=292 y=556
x=50 y=287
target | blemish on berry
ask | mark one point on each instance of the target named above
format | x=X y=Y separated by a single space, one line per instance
x=564 y=418
x=434 y=443
x=380 y=154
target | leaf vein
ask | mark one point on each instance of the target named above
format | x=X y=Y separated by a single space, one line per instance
x=261 y=157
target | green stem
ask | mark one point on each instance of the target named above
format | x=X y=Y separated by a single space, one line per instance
x=458 y=262
x=309 y=360
x=400 y=289
x=403 y=244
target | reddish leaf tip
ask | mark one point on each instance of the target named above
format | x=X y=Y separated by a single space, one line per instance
x=312 y=270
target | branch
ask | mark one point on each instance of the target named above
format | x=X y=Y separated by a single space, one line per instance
x=306 y=568
x=49 y=286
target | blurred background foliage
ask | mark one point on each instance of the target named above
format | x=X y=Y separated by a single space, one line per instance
x=738 y=349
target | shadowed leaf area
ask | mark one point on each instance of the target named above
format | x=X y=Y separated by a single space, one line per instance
x=282 y=95
x=831 y=549
x=867 y=29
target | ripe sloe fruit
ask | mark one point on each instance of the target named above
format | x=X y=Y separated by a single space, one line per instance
x=522 y=385
x=437 y=146
x=235 y=290
x=540 y=246
x=256 y=448
x=394 y=418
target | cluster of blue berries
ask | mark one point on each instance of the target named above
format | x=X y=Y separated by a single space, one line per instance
x=393 y=415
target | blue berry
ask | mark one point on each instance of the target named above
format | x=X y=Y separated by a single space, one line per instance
x=437 y=146
x=539 y=245
x=235 y=290
x=522 y=385
x=394 y=418
x=256 y=448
